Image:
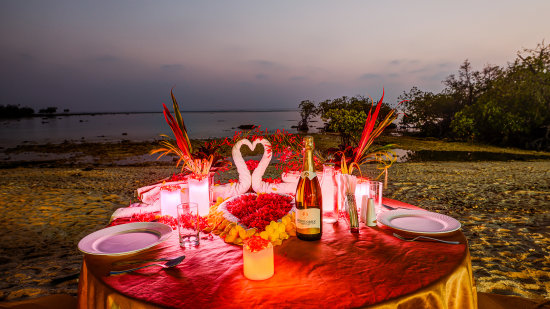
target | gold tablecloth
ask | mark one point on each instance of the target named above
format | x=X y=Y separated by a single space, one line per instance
x=372 y=269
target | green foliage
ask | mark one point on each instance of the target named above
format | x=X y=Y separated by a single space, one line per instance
x=352 y=105
x=307 y=110
x=48 y=110
x=349 y=123
x=505 y=106
x=427 y=112
x=13 y=111
x=359 y=122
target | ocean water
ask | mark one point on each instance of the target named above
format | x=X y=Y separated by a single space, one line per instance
x=138 y=126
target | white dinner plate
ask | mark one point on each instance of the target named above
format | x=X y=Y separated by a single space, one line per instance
x=125 y=238
x=418 y=221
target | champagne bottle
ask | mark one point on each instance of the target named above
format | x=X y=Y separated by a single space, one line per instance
x=308 y=198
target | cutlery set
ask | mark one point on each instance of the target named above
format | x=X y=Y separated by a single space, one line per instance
x=426 y=238
x=170 y=262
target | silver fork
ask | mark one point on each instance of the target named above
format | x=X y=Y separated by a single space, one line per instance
x=452 y=242
x=169 y=264
x=133 y=262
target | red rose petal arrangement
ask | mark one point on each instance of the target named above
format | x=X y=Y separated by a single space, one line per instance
x=268 y=216
x=256 y=244
x=258 y=211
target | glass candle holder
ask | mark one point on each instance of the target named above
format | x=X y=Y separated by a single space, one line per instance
x=361 y=190
x=329 y=193
x=199 y=192
x=170 y=198
x=258 y=265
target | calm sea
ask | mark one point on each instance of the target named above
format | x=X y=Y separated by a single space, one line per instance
x=138 y=126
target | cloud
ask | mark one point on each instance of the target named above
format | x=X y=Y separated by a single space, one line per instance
x=445 y=64
x=263 y=63
x=404 y=61
x=266 y=65
x=106 y=59
x=172 y=67
x=370 y=76
x=438 y=76
x=25 y=56
x=419 y=70
x=261 y=76
x=297 y=78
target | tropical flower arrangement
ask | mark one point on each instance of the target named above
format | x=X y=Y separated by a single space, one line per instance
x=351 y=158
x=199 y=163
x=267 y=216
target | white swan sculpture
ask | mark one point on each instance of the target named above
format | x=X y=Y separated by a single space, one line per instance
x=150 y=194
x=245 y=179
x=289 y=184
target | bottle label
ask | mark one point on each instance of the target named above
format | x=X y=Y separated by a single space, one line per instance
x=310 y=175
x=308 y=218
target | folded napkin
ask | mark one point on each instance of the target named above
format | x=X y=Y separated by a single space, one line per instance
x=134 y=209
x=151 y=194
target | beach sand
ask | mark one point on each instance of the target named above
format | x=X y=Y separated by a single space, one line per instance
x=504 y=208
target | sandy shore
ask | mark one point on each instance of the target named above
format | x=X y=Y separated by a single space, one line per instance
x=504 y=208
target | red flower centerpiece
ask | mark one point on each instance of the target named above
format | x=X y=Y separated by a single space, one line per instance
x=268 y=216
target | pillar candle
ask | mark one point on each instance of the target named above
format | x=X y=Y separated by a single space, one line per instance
x=258 y=260
x=170 y=198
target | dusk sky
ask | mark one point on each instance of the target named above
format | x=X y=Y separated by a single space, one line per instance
x=92 y=56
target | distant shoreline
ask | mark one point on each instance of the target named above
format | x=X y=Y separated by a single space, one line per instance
x=151 y=112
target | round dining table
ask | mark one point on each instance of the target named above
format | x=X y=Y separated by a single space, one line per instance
x=371 y=269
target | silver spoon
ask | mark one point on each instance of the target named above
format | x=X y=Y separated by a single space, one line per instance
x=393 y=208
x=452 y=242
x=133 y=262
x=169 y=264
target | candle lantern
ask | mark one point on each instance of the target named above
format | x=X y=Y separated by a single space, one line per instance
x=361 y=189
x=170 y=198
x=258 y=261
x=340 y=190
x=329 y=192
x=199 y=192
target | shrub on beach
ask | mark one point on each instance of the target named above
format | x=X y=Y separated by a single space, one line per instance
x=13 y=111
x=507 y=106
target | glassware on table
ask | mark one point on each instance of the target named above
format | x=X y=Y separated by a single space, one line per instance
x=329 y=191
x=188 y=225
x=170 y=198
x=361 y=194
x=340 y=192
x=375 y=192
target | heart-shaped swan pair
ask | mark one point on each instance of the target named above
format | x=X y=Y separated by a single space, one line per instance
x=259 y=186
x=255 y=179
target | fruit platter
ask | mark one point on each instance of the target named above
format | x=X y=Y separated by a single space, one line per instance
x=268 y=215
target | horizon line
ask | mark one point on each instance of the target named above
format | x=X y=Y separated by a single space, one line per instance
x=160 y=112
